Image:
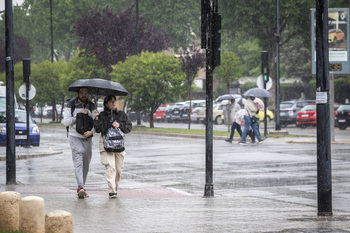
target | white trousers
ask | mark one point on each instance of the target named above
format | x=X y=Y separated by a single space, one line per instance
x=114 y=162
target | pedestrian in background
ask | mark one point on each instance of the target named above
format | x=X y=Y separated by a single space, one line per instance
x=251 y=111
x=238 y=120
x=81 y=144
x=232 y=109
x=113 y=161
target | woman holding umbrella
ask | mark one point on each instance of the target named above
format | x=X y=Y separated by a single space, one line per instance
x=251 y=109
x=112 y=159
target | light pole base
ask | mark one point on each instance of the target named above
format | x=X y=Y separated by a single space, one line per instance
x=209 y=190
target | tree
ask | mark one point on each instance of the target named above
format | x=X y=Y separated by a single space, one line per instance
x=111 y=37
x=190 y=64
x=228 y=71
x=151 y=79
x=21 y=50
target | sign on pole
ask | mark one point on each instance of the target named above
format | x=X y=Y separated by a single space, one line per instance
x=338 y=40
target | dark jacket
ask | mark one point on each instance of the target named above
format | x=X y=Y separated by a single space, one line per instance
x=103 y=123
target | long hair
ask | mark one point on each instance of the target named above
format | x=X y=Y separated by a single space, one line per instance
x=106 y=100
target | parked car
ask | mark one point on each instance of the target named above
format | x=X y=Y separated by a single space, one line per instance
x=175 y=111
x=159 y=114
x=20 y=129
x=307 y=116
x=167 y=113
x=186 y=109
x=198 y=114
x=335 y=35
x=289 y=111
x=342 y=116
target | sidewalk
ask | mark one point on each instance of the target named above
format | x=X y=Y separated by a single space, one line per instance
x=258 y=188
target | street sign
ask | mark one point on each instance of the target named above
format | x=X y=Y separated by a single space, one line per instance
x=22 y=91
x=260 y=82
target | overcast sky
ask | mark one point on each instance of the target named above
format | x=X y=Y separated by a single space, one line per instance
x=14 y=2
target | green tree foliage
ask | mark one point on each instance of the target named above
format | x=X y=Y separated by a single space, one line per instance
x=151 y=79
x=229 y=70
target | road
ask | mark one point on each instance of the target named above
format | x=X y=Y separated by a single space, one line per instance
x=262 y=188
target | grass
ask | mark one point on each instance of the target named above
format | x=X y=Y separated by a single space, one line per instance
x=186 y=131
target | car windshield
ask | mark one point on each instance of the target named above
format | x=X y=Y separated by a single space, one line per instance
x=309 y=107
x=344 y=108
x=161 y=108
x=20 y=117
x=286 y=105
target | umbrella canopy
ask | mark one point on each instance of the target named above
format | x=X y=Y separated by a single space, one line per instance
x=99 y=87
x=259 y=103
x=258 y=92
x=227 y=97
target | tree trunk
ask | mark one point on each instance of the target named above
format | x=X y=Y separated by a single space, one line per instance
x=151 y=124
x=189 y=110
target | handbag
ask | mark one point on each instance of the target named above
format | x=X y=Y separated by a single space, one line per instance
x=83 y=123
x=253 y=119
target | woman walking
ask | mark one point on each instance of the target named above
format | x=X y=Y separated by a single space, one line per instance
x=112 y=149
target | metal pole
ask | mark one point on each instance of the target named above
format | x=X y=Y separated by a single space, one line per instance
x=26 y=79
x=10 y=99
x=138 y=115
x=209 y=183
x=324 y=177
x=277 y=86
x=51 y=30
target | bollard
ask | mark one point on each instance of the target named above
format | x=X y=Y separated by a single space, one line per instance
x=9 y=214
x=59 y=221
x=32 y=215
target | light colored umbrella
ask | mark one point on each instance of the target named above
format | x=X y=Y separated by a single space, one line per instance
x=258 y=92
x=225 y=97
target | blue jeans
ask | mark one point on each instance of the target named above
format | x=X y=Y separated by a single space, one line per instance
x=248 y=123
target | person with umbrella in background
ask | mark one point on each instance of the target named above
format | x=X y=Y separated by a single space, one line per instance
x=80 y=143
x=251 y=111
x=112 y=156
x=238 y=120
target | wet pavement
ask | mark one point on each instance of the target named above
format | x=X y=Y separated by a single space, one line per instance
x=270 y=187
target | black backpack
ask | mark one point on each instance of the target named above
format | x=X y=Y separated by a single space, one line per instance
x=84 y=123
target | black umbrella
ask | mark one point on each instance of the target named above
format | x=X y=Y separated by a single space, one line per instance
x=225 y=97
x=258 y=92
x=98 y=87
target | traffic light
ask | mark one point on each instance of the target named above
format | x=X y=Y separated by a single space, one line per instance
x=26 y=70
x=265 y=65
x=216 y=38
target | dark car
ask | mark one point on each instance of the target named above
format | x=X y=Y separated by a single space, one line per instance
x=175 y=111
x=342 y=116
x=167 y=113
x=20 y=129
x=289 y=111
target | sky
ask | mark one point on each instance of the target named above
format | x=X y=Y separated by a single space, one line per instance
x=14 y=2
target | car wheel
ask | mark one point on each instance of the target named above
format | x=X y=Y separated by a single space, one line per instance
x=284 y=125
x=342 y=126
x=303 y=126
x=218 y=120
x=36 y=144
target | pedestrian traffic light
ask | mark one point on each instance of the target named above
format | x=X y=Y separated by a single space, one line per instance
x=216 y=34
x=26 y=70
x=205 y=4
x=265 y=65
